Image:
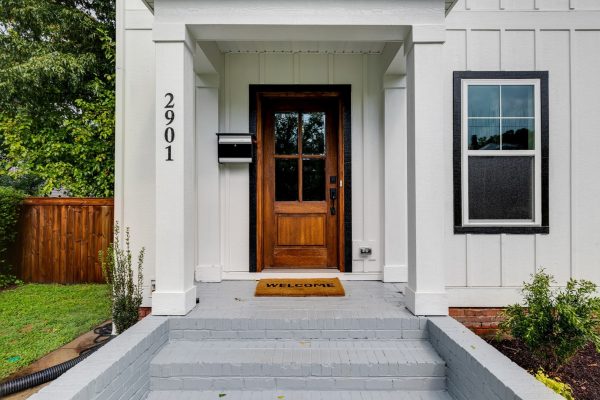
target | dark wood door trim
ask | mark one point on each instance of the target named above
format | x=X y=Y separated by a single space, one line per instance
x=342 y=92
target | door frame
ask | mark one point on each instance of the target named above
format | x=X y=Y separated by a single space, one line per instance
x=343 y=93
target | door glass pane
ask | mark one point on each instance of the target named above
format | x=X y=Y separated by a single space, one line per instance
x=484 y=101
x=313 y=179
x=501 y=188
x=313 y=133
x=286 y=179
x=517 y=101
x=286 y=133
x=518 y=134
x=484 y=134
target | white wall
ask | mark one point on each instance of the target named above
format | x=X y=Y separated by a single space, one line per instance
x=134 y=155
x=486 y=269
x=364 y=74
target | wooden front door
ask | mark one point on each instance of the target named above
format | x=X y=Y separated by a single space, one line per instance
x=301 y=194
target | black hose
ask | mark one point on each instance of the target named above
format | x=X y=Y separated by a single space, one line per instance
x=51 y=373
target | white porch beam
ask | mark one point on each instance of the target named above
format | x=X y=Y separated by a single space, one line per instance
x=293 y=12
x=425 y=292
x=261 y=33
x=175 y=174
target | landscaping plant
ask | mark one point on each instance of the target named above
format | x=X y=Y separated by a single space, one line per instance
x=556 y=385
x=118 y=271
x=10 y=201
x=555 y=323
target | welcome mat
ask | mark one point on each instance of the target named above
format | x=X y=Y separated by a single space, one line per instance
x=300 y=287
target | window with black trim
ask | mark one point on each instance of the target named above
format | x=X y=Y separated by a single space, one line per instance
x=501 y=152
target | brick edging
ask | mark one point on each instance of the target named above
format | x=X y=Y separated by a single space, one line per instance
x=483 y=321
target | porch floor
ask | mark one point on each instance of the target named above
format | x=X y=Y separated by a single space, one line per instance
x=235 y=299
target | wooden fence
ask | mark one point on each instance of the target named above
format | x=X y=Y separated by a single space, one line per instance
x=59 y=239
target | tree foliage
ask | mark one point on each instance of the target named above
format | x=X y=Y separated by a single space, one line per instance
x=57 y=93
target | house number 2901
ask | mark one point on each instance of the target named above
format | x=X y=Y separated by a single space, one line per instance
x=169 y=118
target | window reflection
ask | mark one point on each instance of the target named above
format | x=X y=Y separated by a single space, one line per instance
x=313 y=179
x=484 y=101
x=313 y=133
x=517 y=101
x=484 y=134
x=286 y=179
x=518 y=134
x=286 y=133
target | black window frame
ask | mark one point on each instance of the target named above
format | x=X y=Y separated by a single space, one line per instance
x=458 y=77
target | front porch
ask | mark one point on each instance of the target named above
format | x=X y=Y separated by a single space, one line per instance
x=206 y=213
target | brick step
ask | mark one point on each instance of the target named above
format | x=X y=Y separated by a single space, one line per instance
x=298 y=395
x=292 y=364
x=298 y=326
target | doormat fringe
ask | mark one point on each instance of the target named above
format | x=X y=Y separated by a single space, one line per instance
x=300 y=287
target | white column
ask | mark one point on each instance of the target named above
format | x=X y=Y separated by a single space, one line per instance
x=425 y=293
x=175 y=172
x=209 y=268
x=395 y=268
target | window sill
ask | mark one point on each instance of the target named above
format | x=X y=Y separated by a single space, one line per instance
x=492 y=230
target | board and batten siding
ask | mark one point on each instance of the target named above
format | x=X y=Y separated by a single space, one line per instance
x=363 y=72
x=492 y=35
x=134 y=132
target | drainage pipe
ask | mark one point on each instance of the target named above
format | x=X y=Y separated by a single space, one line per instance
x=51 y=373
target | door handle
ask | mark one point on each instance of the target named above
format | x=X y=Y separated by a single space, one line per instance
x=333 y=194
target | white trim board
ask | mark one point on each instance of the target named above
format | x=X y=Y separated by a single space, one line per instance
x=483 y=296
x=291 y=274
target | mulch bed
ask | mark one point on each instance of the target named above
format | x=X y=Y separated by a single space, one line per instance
x=582 y=372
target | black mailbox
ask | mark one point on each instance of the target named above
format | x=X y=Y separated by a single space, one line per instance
x=236 y=147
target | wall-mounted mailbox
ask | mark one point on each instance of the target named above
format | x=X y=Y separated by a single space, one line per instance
x=236 y=147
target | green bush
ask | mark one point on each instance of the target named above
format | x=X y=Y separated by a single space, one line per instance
x=10 y=200
x=118 y=271
x=555 y=323
x=556 y=385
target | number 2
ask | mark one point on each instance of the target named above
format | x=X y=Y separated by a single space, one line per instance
x=170 y=103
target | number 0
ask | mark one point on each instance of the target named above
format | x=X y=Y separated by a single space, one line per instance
x=169 y=135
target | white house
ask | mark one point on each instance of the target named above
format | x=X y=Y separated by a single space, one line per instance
x=450 y=145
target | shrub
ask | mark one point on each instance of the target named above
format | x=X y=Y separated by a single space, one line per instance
x=556 y=385
x=10 y=200
x=126 y=294
x=555 y=323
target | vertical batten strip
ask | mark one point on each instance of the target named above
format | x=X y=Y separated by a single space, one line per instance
x=571 y=146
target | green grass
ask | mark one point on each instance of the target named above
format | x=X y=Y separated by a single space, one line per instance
x=37 y=319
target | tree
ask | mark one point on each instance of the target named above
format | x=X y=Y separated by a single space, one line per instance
x=57 y=93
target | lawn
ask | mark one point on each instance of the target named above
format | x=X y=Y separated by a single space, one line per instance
x=37 y=319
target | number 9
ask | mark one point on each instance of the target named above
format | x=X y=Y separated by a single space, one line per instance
x=170 y=116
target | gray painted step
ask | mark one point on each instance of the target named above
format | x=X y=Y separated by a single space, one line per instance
x=297 y=365
x=298 y=395
x=300 y=324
